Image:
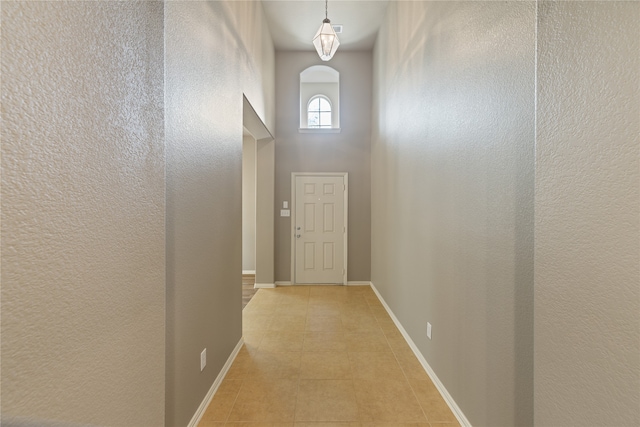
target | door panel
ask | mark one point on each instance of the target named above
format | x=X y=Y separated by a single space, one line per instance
x=328 y=218
x=320 y=233
x=328 y=256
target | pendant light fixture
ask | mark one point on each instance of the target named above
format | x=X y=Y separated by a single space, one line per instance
x=326 y=40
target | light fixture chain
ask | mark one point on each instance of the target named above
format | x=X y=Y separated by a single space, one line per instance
x=326 y=9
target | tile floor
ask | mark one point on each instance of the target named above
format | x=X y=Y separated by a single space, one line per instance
x=319 y=356
x=248 y=290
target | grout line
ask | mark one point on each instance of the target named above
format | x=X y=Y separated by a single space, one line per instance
x=395 y=356
x=226 y=420
x=295 y=406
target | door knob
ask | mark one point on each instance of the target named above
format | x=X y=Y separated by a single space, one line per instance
x=298 y=236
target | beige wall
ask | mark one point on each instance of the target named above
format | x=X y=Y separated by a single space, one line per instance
x=248 y=203
x=587 y=287
x=453 y=161
x=348 y=151
x=83 y=203
x=83 y=214
x=452 y=195
x=215 y=52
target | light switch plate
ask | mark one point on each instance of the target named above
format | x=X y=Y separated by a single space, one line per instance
x=285 y=212
x=285 y=205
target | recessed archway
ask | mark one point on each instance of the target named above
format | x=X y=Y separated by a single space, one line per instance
x=324 y=81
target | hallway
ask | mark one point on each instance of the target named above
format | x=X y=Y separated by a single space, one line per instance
x=320 y=356
x=493 y=192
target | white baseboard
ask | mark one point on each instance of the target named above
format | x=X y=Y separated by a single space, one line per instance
x=457 y=412
x=359 y=284
x=283 y=283
x=264 y=286
x=214 y=387
x=249 y=272
x=329 y=284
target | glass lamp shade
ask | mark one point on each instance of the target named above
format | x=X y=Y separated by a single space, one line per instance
x=326 y=41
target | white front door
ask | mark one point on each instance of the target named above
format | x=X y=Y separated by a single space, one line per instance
x=319 y=226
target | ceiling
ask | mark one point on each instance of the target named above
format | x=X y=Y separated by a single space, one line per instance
x=293 y=23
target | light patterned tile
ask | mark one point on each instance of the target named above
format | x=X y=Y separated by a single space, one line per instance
x=328 y=424
x=293 y=308
x=387 y=326
x=229 y=386
x=395 y=425
x=397 y=342
x=327 y=292
x=326 y=400
x=325 y=366
x=274 y=365
x=252 y=338
x=375 y=365
x=255 y=320
x=387 y=401
x=366 y=341
x=355 y=308
x=257 y=304
x=324 y=341
x=410 y=365
x=297 y=291
x=288 y=322
x=324 y=323
x=362 y=324
x=380 y=313
x=264 y=297
x=282 y=341
x=374 y=302
x=221 y=403
x=241 y=365
x=245 y=424
x=323 y=309
x=432 y=403
x=337 y=319
x=219 y=408
x=265 y=401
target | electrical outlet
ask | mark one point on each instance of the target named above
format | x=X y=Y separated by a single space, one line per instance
x=428 y=330
x=203 y=359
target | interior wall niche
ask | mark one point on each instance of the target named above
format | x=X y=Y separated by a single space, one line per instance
x=320 y=80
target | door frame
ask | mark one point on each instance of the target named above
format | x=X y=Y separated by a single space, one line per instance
x=265 y=195
x=345 y=177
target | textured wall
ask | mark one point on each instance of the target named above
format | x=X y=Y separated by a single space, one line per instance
x=348 y=151
x=82 y=213
x=587 y=287
x=215 y=52
x=452 y=194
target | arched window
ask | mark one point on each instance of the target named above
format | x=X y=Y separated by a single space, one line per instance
x=319 y=100
x=319 y=113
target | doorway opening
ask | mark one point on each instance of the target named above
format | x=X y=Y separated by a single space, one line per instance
x=258 y=176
